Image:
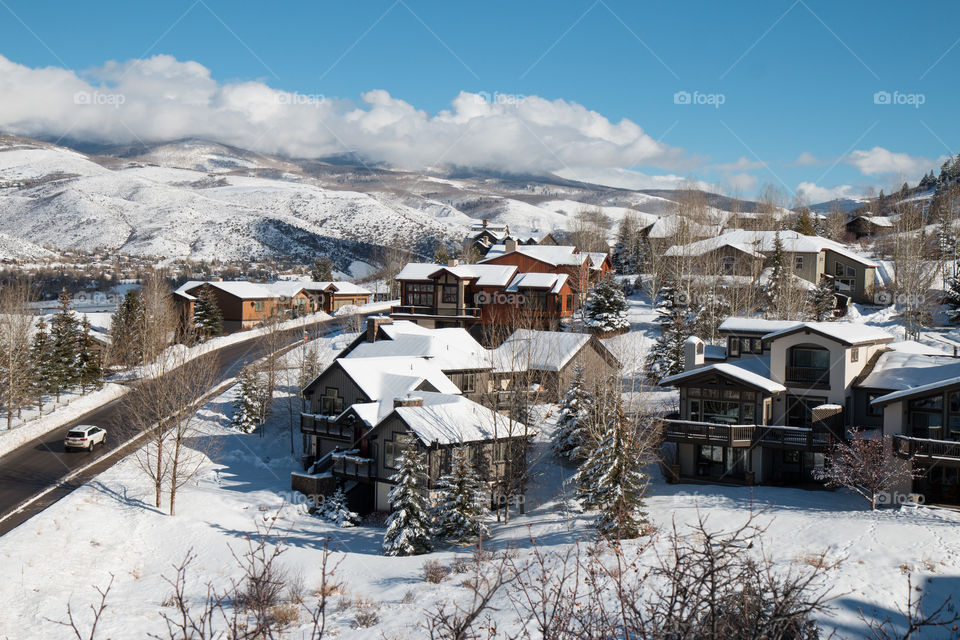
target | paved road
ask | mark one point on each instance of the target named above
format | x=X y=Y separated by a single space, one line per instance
x=43 y=462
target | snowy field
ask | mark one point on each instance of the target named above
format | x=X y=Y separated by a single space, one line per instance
x=110 y=527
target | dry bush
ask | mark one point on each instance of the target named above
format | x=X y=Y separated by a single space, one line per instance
x=366 y=615
x=434 y=571
x=285 y=615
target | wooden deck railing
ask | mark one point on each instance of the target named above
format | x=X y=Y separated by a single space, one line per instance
x=470 y=312
x=924 y=448
x=747 y=435
x=313 y=424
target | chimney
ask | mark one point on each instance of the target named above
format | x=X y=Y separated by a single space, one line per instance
x=485 y=223
x=692 y=353
x=408 y=401
x=373 y=326
x=510 y=245
x=453 y=262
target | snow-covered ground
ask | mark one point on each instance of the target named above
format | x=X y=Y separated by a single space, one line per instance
x=110 y=526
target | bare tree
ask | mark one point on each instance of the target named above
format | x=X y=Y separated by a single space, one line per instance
x=591 y=230
x=917 y=621
x=16 y=323
x=75 y=626
x=866 y=466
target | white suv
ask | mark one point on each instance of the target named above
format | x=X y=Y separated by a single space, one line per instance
x=84 y=436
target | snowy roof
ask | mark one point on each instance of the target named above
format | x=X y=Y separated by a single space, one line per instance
x=753 y=371
x=538 y=350
x=897 y=370
x=486 y=275
x=550 y=281
x=290 y=288
x=597 y=258
x=190 y=284
x=669 y=226
x=763 y=241
x=391 y=377
x=880 y=221
x=555 y=255
x=912 y=346
x=342 y=286
x=755 y=325
x=451 y=349
x=847 y=333
x=447 y=419
x=918 y=390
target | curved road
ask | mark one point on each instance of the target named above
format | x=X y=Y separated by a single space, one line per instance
x=43 y=463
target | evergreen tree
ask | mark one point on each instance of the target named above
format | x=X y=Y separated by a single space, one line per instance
x=65 y=339
x=90 y=363
x=777 y=286
x=805 y=224
x=408 y=528
x=40 y=364
x=322 y=270
x=821 y=301
x=126 y=326
x=461 y=503
x=666 y=355
x=607 y=307
x=951 y=298
x=629 y=251
x=441 y=255
x=573 y=406
x=612 y=481
x=246 y=416
x=335 y=510
x=713 y=310
x=207 y=317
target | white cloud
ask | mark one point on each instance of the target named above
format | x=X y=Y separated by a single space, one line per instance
x=742 y=183
x=742 y=164
x=880 y=161
x=162 y=98
x=807 y=159
x=629 y=179
x=814 y=194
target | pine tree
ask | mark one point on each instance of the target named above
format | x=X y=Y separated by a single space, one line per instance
x=607 y=307
x=40 y=363
x=126 y=329
x=713 y=310
x=335 y=510
x=821 y=301
x=461 y=502
x=408 y=528
x=951 y=298
x=247 y=409
x=207 y=317
x=573 y=406
x=776 y=288
x=612 y=480
x=805 y=224
x=666 y=356
x=322 y=270
x=629 y=251
x=90 y=364
x=65 y=338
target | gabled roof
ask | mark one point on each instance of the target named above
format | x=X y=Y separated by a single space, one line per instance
x=541 y=350
x=186 y=286
x=899 y=370
x=446 y=419
x=486 y=275
x=670 y=225
x=920 y=390
x=754 y=325
x=754 y=372
x=846 y=333
x=763 y=241
x=551 y=282
x=391 y=377
x=554 y=255
x=597 y=258
x=451 y=349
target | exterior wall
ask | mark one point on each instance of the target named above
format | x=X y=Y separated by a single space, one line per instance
x=865 y=277
x=893 y=419
x=812 y=268
x=336 y=377
x=686 y=454
x=579 y=280
x=861 y=409
x=382 y=490
x=839 y=376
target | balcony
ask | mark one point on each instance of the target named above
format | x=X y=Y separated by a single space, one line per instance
x=808 y=376
x=437 y=312
x=747 y=435
x=727 y=435
x=321 y=425
x=926 y=450
x=350 y=465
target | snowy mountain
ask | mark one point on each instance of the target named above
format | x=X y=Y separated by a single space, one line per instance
x=203 y=200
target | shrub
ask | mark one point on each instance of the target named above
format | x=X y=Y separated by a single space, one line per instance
x=434 y=572
x=284 y=615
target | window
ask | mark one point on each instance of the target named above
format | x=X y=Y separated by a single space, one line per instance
x=810 y=357
x=798 y=263
x=391 y=451
x=838 y=270
x=926 y=417
x=851 y=272
x=872 y=409
x=420 y=295
x=450 y=294
x=726 y=265
x=855 y=354
x=330 y=402
x=744 y=345
x=954 y=416
x=757 y=345
x=570 y=301
x=791 y=457
x=800 y=410
x=258 y=305
x=694 y=414
x=711 y=454
x=734 y=346
x=500 y=451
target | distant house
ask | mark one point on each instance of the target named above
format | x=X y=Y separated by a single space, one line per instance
x=583 y=269
x=484 y=235
x=810 y=258
x=869 y=225
x=245 y=305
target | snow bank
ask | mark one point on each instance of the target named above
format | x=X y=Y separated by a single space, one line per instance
x=18 y=436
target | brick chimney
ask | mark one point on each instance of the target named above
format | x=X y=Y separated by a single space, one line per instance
x=373 y=326
x=408 y=401
x=510 y=245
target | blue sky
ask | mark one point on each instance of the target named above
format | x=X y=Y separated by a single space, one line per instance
x=793 y=78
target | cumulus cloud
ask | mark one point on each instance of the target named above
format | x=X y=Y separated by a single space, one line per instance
x=815 y=193
x=880 y=161
x=742 y=164
x=807 y=159
x=161 y=98
x=630 y=179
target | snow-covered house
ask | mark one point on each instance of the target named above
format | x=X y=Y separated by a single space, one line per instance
x=743 y=252
x=483 y=235
x=769 y=410
x=869 y=225
x=583 y=268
